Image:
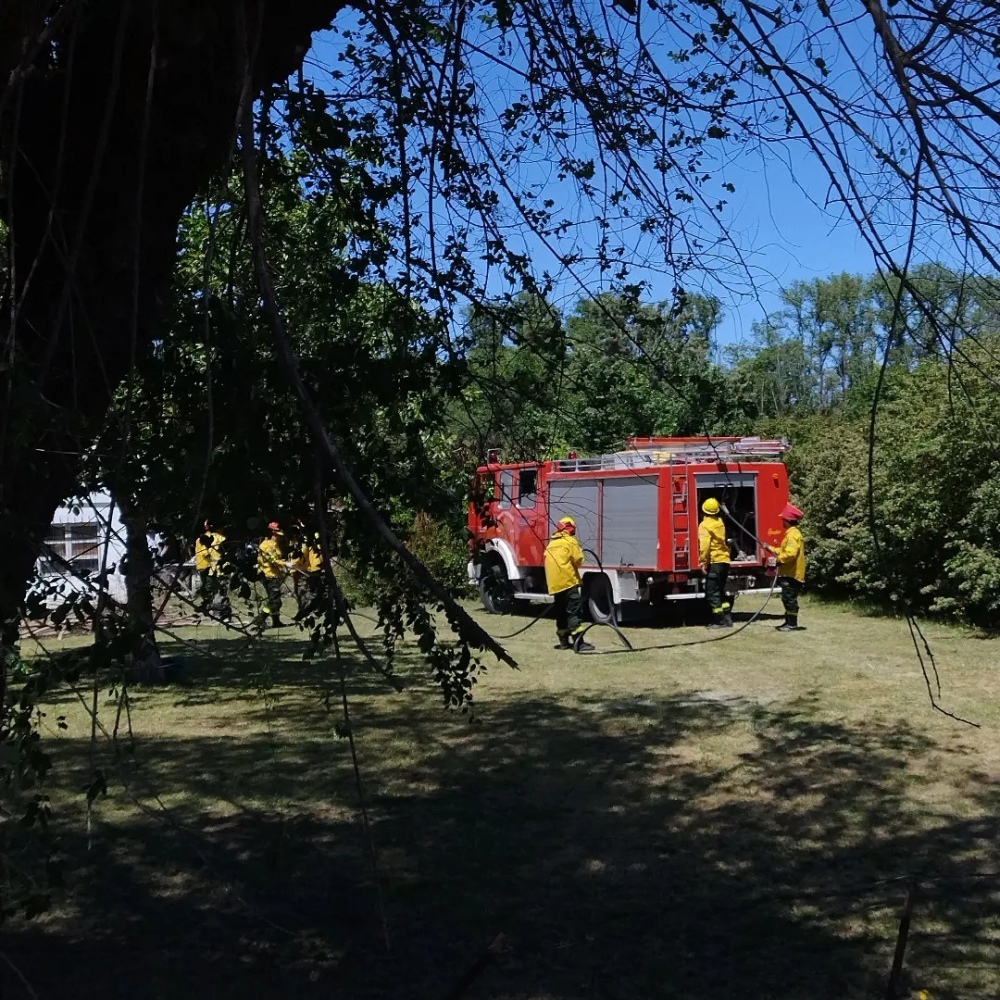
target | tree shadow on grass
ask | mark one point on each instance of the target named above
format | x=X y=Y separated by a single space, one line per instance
x=690 y=846
x=210 y=672
x=238 y=665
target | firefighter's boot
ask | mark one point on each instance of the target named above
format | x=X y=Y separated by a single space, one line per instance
x=580 y=645
x=719 y=620
x=727 y=619
x=791 y=624
x=563 y=642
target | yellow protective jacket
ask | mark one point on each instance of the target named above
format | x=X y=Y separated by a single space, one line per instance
x=712 y=546
x=563 y=559
x=310 y=559
x=791 y=555
x=270 y=558
x=208 y=554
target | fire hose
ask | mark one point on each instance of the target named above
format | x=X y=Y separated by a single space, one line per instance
x=674 y=645
x=629 y=648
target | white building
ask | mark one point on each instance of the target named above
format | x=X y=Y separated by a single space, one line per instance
x=86 y=536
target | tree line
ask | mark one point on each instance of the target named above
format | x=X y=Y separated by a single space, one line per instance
x=205 y=426
x=213 y=429
x=921 y=533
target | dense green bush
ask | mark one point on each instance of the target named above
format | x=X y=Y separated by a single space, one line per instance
x=441 y=548
x=439 y=544
x=934 y=502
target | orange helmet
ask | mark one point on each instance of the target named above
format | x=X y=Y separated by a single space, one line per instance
x=791 y=513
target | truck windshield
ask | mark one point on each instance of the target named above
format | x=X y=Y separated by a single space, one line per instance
x=484 y=488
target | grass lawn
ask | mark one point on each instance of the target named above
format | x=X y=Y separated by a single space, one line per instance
x=717 y=821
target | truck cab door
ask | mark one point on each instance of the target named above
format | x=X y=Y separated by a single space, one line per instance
x=532 y=529
x=506 y=518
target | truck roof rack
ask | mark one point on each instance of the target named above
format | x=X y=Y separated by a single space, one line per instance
x=654 y=451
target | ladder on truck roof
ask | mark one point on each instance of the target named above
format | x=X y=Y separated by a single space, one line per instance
x=646 y=452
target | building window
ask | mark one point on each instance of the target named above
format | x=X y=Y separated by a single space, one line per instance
x=77 y=544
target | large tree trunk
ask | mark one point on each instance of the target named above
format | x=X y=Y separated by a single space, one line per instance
x=139 y=592
x=101 y=149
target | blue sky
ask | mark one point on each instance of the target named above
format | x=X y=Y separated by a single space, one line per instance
x=780 y=215
x=776 y=214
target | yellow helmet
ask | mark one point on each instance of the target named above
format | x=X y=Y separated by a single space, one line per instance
x=710 y=506
x=567 y=521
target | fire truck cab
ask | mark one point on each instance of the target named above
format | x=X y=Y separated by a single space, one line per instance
x=636 y=513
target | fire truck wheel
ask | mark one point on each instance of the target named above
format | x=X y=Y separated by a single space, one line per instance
x=495 y=590
x=601 y=599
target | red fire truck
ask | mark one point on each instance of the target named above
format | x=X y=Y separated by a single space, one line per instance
x=636 y=514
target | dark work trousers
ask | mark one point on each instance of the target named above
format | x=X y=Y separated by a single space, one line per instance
x=569 y=612
x=209 y=588
x=312 y=587
x=272 y=584
x=790 y=590
x=715 y=587
x=213 y=593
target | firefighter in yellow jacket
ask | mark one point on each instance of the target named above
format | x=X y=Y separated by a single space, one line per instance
x=563 y=559
x=713 y=554
x=208 y=563
x=791 y=557
x=273 y=567
x=312 y=579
